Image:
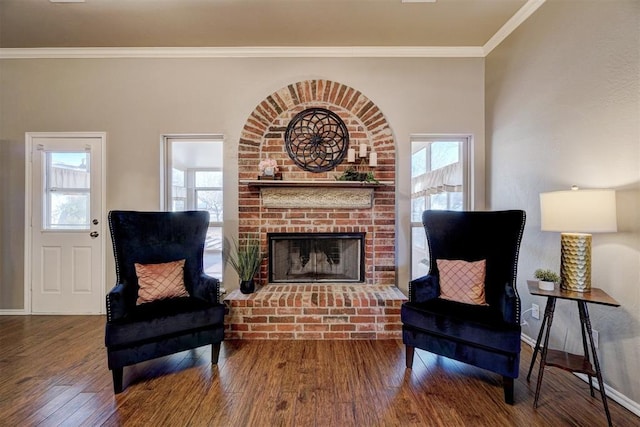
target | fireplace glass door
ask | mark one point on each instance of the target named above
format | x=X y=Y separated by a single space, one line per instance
x=316 y=257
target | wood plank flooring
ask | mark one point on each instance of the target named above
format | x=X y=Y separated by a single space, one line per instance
x=53 y=371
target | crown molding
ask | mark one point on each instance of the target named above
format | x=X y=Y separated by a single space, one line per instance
x=509 y=27
x=283 y=51
x=244 y=52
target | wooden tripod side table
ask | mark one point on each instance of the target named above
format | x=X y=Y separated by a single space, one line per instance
x=561 y=359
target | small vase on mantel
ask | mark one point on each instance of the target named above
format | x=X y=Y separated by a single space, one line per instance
x=247 y=286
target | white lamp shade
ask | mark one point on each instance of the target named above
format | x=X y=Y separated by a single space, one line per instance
x=578 y=211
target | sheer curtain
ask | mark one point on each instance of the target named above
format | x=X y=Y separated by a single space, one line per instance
x=447 y=178
x=69 y=178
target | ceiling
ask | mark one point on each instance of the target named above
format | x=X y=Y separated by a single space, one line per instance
x=252 y=23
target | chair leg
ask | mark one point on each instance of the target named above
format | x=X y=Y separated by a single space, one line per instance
x=215 y=353
x=508 y=389
x=409 y=356
x=117 y=380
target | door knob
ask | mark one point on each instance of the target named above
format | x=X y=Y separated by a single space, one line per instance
x=94 y=234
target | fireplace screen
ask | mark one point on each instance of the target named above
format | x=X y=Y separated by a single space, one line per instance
x=316 y=257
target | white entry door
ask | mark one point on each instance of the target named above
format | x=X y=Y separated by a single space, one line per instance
x=66 y=223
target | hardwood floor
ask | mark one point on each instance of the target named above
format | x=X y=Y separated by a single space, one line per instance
x=53 y=371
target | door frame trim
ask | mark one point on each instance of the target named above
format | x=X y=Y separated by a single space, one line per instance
x=28 y=229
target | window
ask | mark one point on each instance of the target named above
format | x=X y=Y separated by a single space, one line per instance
x=439 y=170
x=193 y=181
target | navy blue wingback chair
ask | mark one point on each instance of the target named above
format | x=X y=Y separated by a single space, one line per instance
x=135 y=333
x=487 y=336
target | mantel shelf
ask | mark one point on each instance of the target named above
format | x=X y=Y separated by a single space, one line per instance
x=321 y=183
x=311 y=194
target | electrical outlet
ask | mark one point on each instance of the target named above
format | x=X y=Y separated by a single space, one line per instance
x=535 y=311
x=595 y=335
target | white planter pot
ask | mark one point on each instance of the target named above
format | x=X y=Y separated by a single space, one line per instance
x=546 y=286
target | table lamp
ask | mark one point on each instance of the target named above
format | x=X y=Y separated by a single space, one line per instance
x=575 y=213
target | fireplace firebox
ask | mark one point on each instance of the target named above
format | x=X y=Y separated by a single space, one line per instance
x=316 y=257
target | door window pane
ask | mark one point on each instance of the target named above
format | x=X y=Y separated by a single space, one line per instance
x=67 y=197
x=69 y=211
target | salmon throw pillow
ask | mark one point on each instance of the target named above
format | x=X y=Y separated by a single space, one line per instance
x=160 y=281
x=462 y=281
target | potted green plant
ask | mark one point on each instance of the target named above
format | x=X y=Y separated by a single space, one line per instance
x=547 y=279
x=353 y=174
x=245 y=258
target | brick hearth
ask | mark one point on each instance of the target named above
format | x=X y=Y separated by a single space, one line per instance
x=315 y=312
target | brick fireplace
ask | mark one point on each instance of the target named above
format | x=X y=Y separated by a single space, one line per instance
x=324 y=207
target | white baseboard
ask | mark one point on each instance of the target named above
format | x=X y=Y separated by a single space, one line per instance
x=611 y=393
x=528 y=340
x=614 y=395
x=13 y=312
x=20 y=312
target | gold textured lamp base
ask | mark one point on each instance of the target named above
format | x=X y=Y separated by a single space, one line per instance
x=575 y=265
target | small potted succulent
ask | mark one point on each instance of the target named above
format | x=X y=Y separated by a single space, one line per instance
x=547 y=279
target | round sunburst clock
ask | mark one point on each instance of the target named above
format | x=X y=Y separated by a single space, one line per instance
x=317 y=140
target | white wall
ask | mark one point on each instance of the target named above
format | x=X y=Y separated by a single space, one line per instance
x=563 y=108
x=137 y=100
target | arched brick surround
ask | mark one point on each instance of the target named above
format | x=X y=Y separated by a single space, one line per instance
x=263 y=136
